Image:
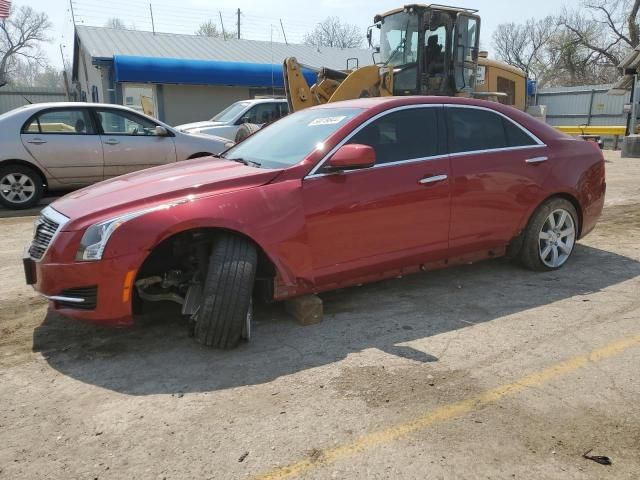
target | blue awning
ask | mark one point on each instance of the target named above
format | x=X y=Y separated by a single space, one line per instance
x=200 y=72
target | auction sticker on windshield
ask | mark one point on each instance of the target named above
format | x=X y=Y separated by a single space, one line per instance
x=326 y=121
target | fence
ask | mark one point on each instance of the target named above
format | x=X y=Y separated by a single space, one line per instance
x=584 y=105
x=14 y=97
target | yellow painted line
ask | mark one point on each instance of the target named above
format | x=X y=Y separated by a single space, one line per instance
x=450 y=411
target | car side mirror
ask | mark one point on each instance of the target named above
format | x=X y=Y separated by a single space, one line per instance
x=161 y=131
x=352 y=157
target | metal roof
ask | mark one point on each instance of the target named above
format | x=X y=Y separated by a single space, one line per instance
x=101 y=42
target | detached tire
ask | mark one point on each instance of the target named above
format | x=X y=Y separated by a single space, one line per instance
x=550 y=237
x=227 y=292
x=246 y=130
x=20 y=186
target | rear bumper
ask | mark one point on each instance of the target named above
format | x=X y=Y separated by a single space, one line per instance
x=95 y=292
x=592 y=212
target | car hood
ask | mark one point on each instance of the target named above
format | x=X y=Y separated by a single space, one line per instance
x=188 y=180
x=196 y=125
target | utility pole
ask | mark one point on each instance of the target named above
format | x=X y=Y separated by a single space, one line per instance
x=65 y=78
x=73 y=16
x=224 y=34
x=283 y=34
x=238 y=24
x=153 y=25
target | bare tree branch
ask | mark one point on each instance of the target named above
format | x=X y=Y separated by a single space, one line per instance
x=22 y=32
x=333 y=33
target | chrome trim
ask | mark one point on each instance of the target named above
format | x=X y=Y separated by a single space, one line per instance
x=60 y=298
x=535 y=160
x=54 y=216
x=320 y=164
x=494 y=150
x=434 y=179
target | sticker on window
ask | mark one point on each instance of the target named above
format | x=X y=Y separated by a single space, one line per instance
x=326 y=121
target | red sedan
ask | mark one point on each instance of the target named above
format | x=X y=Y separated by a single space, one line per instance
x=328 y=197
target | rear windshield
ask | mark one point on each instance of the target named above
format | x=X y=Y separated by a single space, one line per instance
x=289 y=140
x=231 y=112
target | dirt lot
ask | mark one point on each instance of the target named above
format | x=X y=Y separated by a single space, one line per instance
x=483 y=371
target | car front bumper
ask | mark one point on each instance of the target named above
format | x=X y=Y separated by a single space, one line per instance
x=98 y=292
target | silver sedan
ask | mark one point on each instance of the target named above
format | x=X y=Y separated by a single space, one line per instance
x=56 y=146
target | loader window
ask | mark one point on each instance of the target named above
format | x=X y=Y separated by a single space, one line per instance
x=509 y=87
x=399 y=39
x=403 y=135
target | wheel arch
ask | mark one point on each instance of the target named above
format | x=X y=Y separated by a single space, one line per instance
x=572 y=199
x=24 y=163
x=514 y=246
x=267 y=267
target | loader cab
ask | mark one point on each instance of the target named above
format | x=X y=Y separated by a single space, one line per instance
x=433 y=49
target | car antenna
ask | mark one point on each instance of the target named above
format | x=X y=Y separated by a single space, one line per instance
x=27 y=100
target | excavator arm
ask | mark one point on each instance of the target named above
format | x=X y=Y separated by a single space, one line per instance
x=334 y=85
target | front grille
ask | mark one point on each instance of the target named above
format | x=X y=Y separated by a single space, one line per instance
x=46 y=227
x=88 y=294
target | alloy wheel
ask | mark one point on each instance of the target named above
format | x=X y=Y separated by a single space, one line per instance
x=17 y=188
x=557 y=238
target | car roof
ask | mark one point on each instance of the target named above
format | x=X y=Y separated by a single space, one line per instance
x=44 y=105
x=262 y=100
x=373 y=105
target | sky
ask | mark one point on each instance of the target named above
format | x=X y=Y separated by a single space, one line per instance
x=260 y=20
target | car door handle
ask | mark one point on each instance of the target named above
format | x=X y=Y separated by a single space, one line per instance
x=535 y=160
x=111 y=141
x=37 y=141
x=433 y=179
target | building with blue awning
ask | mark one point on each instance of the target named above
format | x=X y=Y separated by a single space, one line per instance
x=186 y=78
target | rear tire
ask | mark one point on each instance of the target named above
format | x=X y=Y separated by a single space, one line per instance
x=246 y=130
x=550 y=237
x=20 y=186
x=226 y=303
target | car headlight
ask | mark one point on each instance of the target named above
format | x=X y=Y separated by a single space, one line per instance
x=96 y=237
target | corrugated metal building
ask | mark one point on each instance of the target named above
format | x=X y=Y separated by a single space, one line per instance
x=583 y=105
x=185 y=78
x=12 y=97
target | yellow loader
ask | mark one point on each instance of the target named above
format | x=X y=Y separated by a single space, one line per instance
x=424 y=50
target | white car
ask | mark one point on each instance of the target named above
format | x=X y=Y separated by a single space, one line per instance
x=64 y=145
x=226 y=123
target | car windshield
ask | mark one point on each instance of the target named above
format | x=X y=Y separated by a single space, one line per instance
x=289 y=140
x=230 y=113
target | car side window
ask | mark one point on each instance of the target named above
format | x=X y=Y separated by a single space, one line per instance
x=65 y=122
x=472 y=129
x=116 y=122
x=262 y=113
x=402 y=135
x=516 y=136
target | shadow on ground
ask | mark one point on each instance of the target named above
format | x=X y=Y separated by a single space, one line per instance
x=159 y=357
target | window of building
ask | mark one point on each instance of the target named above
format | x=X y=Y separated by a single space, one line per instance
x=140 y=97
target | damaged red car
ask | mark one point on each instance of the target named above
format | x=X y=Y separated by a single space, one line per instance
x=331 y=196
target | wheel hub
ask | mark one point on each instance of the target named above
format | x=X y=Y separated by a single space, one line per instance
x=557 y=238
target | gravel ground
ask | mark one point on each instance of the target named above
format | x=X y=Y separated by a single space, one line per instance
x=481 y=371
